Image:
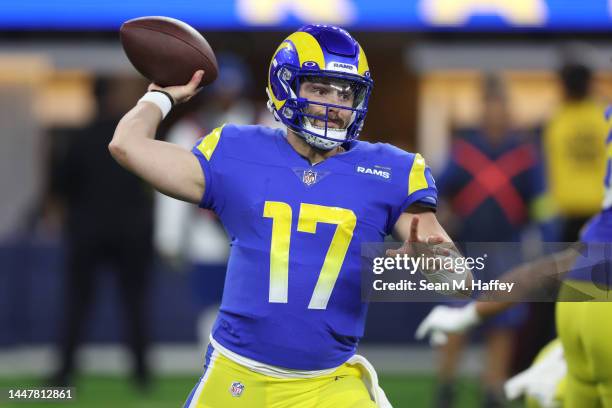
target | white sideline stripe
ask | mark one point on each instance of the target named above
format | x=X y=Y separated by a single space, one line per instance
x=188 y=359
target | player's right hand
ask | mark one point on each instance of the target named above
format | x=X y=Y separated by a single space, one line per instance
x=443 y=320
x=182 y=93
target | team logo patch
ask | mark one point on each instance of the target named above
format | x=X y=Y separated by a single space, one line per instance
x=237 y=389
x=309 y=177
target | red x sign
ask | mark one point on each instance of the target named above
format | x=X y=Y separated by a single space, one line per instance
x=493 y=178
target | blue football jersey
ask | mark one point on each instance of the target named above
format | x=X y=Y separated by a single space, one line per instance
x=292 y=295
x=596 y=264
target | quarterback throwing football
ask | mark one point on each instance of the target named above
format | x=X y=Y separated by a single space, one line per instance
x=297 y=204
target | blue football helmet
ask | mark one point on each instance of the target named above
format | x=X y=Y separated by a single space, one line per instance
x=326 y=54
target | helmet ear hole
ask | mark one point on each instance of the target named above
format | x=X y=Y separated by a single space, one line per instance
x=285 y=74
x=288 y=113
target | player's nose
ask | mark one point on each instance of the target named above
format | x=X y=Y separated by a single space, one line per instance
x=337 y=98
x=333 y=113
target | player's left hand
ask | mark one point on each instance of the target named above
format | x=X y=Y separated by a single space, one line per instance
x=438 y=257
x=417 y=245
x=432 y=246
x=443 y=320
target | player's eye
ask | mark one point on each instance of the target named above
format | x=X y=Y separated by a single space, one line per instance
x=320 y=90
x=345 y=96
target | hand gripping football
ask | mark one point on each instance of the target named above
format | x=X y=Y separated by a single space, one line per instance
x=167 y=51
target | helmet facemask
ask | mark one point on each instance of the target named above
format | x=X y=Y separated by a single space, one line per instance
x=325 y=109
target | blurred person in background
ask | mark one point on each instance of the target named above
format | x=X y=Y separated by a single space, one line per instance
x=492 y=185
x=572 y=145
x=108 y=223
x=184 y=232
x=575 y=164
x=574 y=370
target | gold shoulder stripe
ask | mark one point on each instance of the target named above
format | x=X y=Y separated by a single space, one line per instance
x=416 y=179
x=208 y=145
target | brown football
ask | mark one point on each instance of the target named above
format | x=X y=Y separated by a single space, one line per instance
x=167 y=51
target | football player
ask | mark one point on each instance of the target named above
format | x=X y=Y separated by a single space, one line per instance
x=584 y=328
x=297 y=203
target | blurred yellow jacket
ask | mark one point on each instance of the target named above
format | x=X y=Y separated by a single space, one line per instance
x=574 y=143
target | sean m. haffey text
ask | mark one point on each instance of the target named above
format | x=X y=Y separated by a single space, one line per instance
x=449 y=266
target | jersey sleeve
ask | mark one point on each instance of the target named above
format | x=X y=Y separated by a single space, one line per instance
x=209 y=152
x=419 y=189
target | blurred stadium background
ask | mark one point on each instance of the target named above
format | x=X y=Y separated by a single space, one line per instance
x=428 y=59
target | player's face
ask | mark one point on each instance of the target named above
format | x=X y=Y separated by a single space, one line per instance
x=335 y=92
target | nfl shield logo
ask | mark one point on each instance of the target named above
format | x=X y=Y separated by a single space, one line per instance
x=309 y=177
x=237 y=388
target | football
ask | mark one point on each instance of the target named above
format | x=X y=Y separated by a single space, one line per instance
x=167 y=51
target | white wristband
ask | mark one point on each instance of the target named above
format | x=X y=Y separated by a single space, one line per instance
x=158 y=99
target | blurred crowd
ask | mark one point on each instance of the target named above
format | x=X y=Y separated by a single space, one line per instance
x=503 y=184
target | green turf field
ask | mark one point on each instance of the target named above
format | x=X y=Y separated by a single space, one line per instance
x=105 y=392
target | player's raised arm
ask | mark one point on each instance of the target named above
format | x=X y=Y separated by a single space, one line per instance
x=169 y=168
